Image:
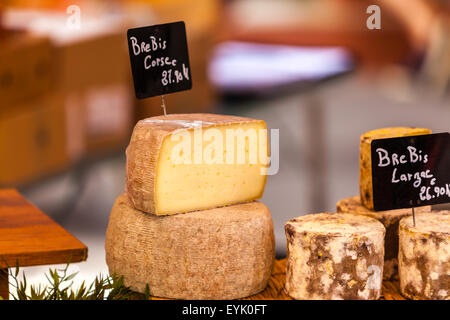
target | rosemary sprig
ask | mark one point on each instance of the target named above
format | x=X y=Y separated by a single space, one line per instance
x=60 y=287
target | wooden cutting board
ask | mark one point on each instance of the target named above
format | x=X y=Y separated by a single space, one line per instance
x=275 y=287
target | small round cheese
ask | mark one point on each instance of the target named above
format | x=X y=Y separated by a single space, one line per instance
x=424 y=256
x=334 y=256
x=390 y=220
x=222 y=253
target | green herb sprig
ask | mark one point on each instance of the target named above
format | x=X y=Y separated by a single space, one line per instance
x=60 y=287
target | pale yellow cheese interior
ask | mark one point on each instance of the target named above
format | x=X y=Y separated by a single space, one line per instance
x=208 y=180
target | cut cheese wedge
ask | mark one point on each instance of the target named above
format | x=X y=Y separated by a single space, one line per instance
x=223 y=253
x=187 y=162
x=365 y=157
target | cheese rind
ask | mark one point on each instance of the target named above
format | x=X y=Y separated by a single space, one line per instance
x=424 y=256
x=334 y=256
x=223 y=253
x=365 y=157
x=169 y=172
x=390 y=220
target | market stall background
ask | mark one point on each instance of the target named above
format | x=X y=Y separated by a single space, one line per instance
x=67 y=103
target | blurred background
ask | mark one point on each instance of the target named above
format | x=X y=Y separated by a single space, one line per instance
x=311 y=68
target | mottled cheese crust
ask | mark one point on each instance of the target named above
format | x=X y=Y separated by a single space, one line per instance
x=223 y=253
x=164 y=177
x=390 y=220
x=424 y=256
x=365 y=157
x=334 y=256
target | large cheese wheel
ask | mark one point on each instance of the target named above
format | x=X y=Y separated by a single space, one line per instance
x=424 y=256
x=223 y=253
x=334 y=256
x=186 y=162
x=390 y=220
x=365 y=157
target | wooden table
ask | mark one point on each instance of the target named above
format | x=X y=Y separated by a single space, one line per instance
x=31 y=238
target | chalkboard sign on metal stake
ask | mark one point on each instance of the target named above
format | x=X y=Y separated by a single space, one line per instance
x=411 y=171
x=159 y=59
x=163 y=105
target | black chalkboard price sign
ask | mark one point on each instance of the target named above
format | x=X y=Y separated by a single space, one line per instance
x=411 y=171
x=159 y=59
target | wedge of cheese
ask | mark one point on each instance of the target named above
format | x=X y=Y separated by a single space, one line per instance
x=186 y=162
x=424 y=256
x=365 y=157
x=334 y=256
x=390 y=220
x=222 y=253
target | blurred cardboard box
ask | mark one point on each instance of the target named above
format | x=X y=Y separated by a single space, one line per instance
x=94 y=77
x=90 y=52
x=200 y=16
x=109 y=116
x=99 y=119
x=33 y=140
x=92 y=73
x=94 y=61
x=26 y=67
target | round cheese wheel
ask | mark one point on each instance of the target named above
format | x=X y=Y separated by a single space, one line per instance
x=424 y=256
x=390 y=220
x=222 y=253
x=334 y=256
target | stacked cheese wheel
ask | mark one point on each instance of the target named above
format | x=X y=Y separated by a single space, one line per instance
x=346 y=255
x=416 y=254
x=188 y=225
x=390 y=219
x=363 y=204
x=424 y=256
x=334 y=256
